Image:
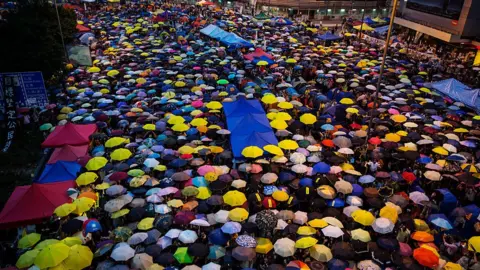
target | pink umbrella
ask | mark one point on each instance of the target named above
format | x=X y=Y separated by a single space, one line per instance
x=393 y=111
x=197 y=104
x=167 y=191
x=205 y=169
x=405 y=249
x=197 y=68
x=256 y=168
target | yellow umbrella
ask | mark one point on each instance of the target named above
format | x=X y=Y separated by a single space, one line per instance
x=102 y=186
x=180 y=84
x=420 y=225
x=273 y=149
x=96 y=163
x=29 y=240
x=347 y=101
x=64 y=209
x=321 y=253
x=52 y=255
x=211 y=176
x=392 y=137
x=71 y=241
x=83 y=205
x=115 y=141
x=306 y=230
x=280 y=195
x=120 y=213
x=440 y=150
x=264 y=245
x=86 y=178
x=198 y=122
x=288 y=144
x=269 y=99
x=46 y=243
x=390 y=213
x=305 y=242
x=175 y=203
x=186 y=150
x=318 y=223
x=252 y=152
x=234 y=198
x=121 y=154
x=474 y=244
x=139 y=181
x=140 y=81
x=452 y=266
x=352 y=110
x=291 y=61
x=113 y=73
x=79 y=257
x=238 y=214
x=262 y=63
x=278 y=124
x=155 y=266
x=399 y=118
x=364 y=27
x=27 y=259
x=180 y=128
x=285 y=105
x=283 y=116
x=176 y=119
x=461 y=130
x=216 y=149
x=214 y=105
x=363 y=217
x=204 y=193
x=93 y=70
x=308 y=119
x=145 y=224
x=150 y=127
x=361 y=235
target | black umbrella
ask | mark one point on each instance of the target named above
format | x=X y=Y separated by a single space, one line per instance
x=198 y=250
x=343 y=251
x=250 y=227
x=215 y=200
x=72 y=226
x=153 y=250
x=376 y=203
x=136 y=214
x=266 y=220
x=152 y=238
x=165 y=259
x=163 y=222
x=388 y=243
x=244 y=254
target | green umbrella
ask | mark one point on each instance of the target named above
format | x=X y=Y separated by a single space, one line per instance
x=222 y=82
x=122 y=233
x=303 y=143
x=136 y=173
x=182 y=256
x=29 y=240
x=46 y=127
x=190 y=191
x=46 y=243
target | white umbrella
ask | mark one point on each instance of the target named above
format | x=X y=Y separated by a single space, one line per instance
x=332 y=231
x=284 y=247
x=269 y=178
x=173 y=233
x=162 y=209
x=300 y=218
x=142 y=261
x=418 y=197
x=151 y=162
x=354 y=201
x=164 y=242
x=368 y=265
x=122 y=252
x=450 y=148
x=299 y=168
x=239 y=183
x=211 y=266
x=346 y=151
x=282 y=224
x=222 y=216
x=432 y=175
x=383 y=225
x=155 y=198
x=298 y=158
x=333 y=221
x=137 y=238
x=200 y=222
x=344 y=187
x=188 y=237
x=349 y=210
x=191 y=267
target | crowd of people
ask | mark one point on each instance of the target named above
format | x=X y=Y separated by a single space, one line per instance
x=161 y=187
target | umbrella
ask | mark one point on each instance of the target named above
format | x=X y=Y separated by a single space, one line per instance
x=284 y=247
x=188 y=237
x=79 y=257
x=332 y=231
x=305 y=242
x=363 y=217
x=142 y=261
x=182 y=256
x=264 y=245
x=28 y=240
x=27 y=259
x=243 y=253
x=122 y=252
x=383 y=225
x=52 y=255
x=426 y=257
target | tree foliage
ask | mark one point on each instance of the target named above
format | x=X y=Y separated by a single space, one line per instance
x=31 y=39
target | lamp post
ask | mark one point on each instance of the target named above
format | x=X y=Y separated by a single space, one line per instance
x=382 y=68
x=363 y=17
x=61 y=32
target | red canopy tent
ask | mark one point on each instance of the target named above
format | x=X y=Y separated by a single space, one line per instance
x=68 y=153
x=70 y=134
x=31 y=204
x=257 y=53
x=82 y=28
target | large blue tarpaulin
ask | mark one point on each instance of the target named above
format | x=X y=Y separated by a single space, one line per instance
x=381 y=29
x=59 y=171
x=458 y=92
x=329 y=36
x=248 y=125
x=227 y=38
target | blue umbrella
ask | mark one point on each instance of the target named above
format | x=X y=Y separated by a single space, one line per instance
x=216 y=252
x=365 y=179
x=177 y=163
x=321 y=167
x=327 y=127
x=357 y=190
x=456 y=157
x=217 y=237
x=440 y=220
x=231 y=227
x=336 y=264
x=199 y=181
x=424 y=160
x=305 y=182
x=336 y=203
x=286 y=176
x=268 y=190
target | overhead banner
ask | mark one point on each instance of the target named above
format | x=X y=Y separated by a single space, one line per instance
x=79 y=55
x=9 y=83
x=29 y=90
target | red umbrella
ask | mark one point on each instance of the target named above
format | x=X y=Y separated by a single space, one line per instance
x=269 y=203
x=375 y=141
x=184 y=217
x=409 y=176
x=118 y=176
x=425 y=257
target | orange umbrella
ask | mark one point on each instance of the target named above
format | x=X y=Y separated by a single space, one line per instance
x=88 y=194
x=426 y=257
x=328 y=143
x=422 y=236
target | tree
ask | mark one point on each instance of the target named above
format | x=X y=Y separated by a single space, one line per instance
x=31 y=39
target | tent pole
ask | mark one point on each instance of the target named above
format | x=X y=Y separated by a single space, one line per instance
x=382 y=68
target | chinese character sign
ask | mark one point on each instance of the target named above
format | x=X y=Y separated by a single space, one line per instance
x=8 y=84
